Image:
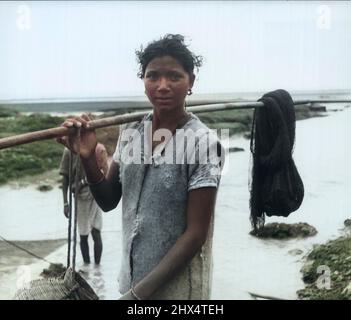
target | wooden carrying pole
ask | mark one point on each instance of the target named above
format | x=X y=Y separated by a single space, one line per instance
x=135 y=116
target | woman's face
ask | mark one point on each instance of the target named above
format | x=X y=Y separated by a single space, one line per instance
x=167 y=83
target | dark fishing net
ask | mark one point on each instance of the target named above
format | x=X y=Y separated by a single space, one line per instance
x=276 y=186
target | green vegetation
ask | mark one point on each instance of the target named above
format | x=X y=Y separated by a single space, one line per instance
x=336 y=255
x=21 y=123
x=28 y=159
x=7 y=112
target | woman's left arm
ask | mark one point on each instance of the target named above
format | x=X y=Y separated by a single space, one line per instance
x=200 y=208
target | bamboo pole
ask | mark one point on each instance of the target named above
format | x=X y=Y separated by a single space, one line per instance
x=135 y=116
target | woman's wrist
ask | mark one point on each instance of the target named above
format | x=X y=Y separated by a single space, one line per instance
x=97 y=181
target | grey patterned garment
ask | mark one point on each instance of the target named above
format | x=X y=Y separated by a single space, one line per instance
x=154 y=203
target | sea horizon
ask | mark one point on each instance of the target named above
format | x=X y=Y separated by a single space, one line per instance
x=132 y=96
x=110 y=103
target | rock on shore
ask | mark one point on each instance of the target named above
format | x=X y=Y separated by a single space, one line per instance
x=285 y=231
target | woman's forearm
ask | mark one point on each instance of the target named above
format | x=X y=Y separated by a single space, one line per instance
x=106 y=191
x=91 y=168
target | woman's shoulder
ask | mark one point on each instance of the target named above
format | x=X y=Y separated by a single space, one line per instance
x=198 y=127
x=207 y=137
x=195 y=123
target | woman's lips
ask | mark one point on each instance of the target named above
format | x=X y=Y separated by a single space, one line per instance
x=163 y=100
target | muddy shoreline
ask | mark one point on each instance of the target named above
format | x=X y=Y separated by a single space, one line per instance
x=13 y=261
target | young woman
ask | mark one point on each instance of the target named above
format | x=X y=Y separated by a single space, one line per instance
x=168 y=206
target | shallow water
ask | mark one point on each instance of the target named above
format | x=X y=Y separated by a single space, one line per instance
x=242 y=263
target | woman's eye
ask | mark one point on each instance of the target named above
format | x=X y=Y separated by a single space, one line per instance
x=151 y=76
x=175 y=77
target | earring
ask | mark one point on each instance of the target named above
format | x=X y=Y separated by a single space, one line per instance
x=190 y=92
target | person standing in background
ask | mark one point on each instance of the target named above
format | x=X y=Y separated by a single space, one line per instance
x=89 y=217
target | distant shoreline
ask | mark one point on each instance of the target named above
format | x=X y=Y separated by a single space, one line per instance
x=196 y=96
x=141 y=102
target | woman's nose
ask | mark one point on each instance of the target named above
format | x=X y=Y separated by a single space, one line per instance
x=163 y=84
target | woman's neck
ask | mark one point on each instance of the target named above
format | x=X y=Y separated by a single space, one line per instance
x=167 y=120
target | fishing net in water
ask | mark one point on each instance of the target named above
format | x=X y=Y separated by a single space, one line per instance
x=70 y=286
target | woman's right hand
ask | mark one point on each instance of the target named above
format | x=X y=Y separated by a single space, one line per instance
x=87 y=144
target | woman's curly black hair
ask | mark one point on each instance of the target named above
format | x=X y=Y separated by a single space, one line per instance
x=171 y=45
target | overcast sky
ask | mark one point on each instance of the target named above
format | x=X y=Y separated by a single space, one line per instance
x=86 y=49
